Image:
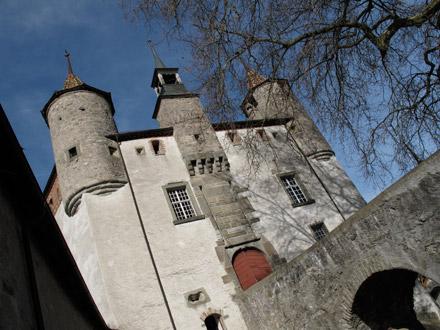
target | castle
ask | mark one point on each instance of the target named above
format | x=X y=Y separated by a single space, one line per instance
x=166 y=224
x=169 y=226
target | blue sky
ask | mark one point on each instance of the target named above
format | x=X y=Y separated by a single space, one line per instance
x=108 y=52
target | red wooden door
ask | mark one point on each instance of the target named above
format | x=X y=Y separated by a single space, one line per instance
x=251 y=266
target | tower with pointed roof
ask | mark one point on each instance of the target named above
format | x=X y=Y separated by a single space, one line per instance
x=273 y=98
x=170 y=225
x=205 y=159
x=269 y=98
x=79 y=118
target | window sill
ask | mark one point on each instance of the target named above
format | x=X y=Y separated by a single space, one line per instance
x=310 y=201
x=196 y=218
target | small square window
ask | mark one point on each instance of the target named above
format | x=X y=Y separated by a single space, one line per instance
x=112 y=150
x=73 y=153
x=234 y=137
x=158 y=147
x=199 y=138
x=319 y=230
x=262 y=134
x=293 y=189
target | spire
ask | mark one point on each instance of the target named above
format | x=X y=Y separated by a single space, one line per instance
x=71 y=80
x=158 y=64
x=252 y=76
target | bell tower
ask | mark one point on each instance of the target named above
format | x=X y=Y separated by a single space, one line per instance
x=80 y=117
x=178 y=108
x=206 y=162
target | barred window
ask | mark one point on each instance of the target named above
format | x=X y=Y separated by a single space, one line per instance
x=181 y=203
x=234 y=137
x=319 y=230
x=293 y=189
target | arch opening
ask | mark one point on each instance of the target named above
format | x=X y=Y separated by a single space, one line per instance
x=250 y=266
x=214 y=322
x=394 y=299
x=435 y=293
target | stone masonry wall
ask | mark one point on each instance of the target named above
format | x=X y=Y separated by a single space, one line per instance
x=275 y=100
x=83 y=119
x=398 y=229
x=208 y=166
x=54 y=198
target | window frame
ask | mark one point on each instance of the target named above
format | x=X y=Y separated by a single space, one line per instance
x=113 y=151
x=160 y=147
x=179 y=185
x=140 y=150
x=322 y=224
x=233 y=137
x=71 y=158
x=262 y=134
x=299 y=183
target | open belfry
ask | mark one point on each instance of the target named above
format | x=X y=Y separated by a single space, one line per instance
x=170 y=226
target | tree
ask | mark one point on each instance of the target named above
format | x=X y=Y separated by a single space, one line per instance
x=367 y=70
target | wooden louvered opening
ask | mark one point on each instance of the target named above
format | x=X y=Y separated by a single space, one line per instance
x=251 y=266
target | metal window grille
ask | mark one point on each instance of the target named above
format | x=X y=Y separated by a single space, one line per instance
x=319 y=230
x=181 y=203
x=293 y=189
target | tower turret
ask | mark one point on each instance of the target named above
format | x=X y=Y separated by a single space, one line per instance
x=207 y=164
x=181 y=109
x=166 y=80
x=79 y=118
x=273 y=98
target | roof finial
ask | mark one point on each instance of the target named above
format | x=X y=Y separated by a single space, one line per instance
x=253 y=77
x=158 y=64
x=71 y=80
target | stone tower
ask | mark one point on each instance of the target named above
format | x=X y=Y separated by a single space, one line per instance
x=273 y=98
x=207 y=164
x=79 y=118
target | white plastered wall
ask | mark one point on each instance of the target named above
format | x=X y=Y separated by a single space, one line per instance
x=185 y=253
x=286 y=227
x=108 y=245
x=79 y=237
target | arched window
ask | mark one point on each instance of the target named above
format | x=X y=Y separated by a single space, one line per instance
x=251 y=266
x=214 y=322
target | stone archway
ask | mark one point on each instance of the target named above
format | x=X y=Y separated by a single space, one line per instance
x=387 y=300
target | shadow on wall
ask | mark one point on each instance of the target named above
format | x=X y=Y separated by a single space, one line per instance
x=291 y=229
x=278 y=154
x=362 y=274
